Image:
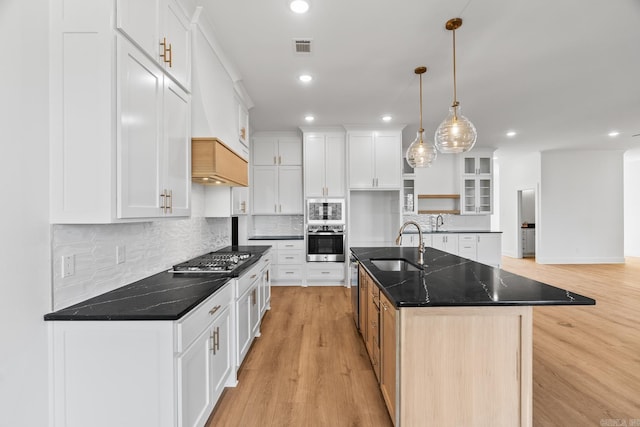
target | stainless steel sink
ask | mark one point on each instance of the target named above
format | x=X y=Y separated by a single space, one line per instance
x=394 y=265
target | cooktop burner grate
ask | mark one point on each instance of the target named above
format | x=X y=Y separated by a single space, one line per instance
x=213 y=263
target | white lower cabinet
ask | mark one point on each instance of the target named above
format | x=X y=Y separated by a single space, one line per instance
x=247 y=304
x=265 y=283
x=445 y=242
x=203 y=370
x=485 y=248
x=143 y=373
x=325 y=273
x=288 y=261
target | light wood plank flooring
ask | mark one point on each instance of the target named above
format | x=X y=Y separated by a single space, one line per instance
x=310 y=367
x=586 y=360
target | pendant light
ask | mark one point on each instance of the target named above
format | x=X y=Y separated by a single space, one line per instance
x=419 y=154
x=456 y=134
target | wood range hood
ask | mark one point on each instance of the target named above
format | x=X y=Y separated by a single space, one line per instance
x=213 y=163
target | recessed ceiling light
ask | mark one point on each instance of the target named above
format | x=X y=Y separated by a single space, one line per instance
x=511 y=133
x=305 y=78
x=299 y=6
x=309 y=118
x=386 y=118
x=614 y=133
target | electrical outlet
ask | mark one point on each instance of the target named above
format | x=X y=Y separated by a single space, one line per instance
x=68 y=265
x=120 y=254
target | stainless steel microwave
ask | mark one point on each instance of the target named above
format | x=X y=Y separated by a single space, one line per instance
x=325 y=211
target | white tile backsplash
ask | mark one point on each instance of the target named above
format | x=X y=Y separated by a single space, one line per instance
x=453 y=222
x=278 y=225
x=150 y=247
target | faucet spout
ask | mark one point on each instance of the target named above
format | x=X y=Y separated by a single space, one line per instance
x=420 y=245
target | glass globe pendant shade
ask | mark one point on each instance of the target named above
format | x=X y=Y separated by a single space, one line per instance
x=456 y=134
x=420 y=154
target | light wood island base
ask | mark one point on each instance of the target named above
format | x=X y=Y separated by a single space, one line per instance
x=464 y=366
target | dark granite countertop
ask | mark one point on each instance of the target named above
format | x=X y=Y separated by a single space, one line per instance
x=163 y=296
x=448 y=280
x=414 y=231
x=291 y=237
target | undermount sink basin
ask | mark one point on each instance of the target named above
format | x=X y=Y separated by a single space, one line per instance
x=394 y=265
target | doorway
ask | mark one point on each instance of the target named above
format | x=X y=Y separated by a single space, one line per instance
x=526 y=223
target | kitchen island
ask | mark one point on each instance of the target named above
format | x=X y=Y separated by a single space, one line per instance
x=451 y=343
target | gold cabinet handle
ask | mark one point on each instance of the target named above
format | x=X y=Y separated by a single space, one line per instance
x=167 y=52
x=163 y=201
x=214 y=309
x=217 y=342
x=169 y=196
x=275 y=160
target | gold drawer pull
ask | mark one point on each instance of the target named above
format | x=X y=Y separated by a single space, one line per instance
x=214 y=309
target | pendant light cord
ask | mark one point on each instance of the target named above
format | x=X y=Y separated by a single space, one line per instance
x=455 y=95
x=421 y=129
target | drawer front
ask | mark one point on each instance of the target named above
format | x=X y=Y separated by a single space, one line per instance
x=246 y=280
x=291 y=244
x=267 y=258
x=320 y=271
x=287 y=272
x=195 y=322
x=286 y=257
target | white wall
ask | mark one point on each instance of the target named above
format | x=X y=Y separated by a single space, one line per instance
x=25 y=294
x=581 y=208
x=632 y=206
x=518 y=171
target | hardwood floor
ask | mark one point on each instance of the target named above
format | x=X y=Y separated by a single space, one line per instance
x=586 y=360
x=310 y=367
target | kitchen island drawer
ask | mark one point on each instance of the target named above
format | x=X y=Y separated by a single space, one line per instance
x=192 y=325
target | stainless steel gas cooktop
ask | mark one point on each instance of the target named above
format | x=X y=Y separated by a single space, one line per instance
x=213 y=262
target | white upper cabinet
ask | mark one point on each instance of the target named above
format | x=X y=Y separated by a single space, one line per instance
x=161 y=29
x=154 y=161
x=120 y=127
x=277 y=190
x=375 y=159
x=476 y=183
x=324 y=164
x=277 y=151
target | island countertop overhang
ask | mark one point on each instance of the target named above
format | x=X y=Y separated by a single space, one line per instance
x=448 y=280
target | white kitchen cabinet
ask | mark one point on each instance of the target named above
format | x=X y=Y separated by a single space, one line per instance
x=476 y=183
x=156 y=373
x=375 y=159
x=325 y=273
x=120 y=128
x=161 y=29
x=203 y=369
x=287 y=261
x=485 y=248
x=277 y=151
x=239 y=200
x=445 y=242
x=247 y=306
x=324 y=164
x=467 y=246
x=277 y=190
x=154 y=157
x=490 y=248
x=265 y=282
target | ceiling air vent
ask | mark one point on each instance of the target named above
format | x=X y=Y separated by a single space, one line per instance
x=302 y=46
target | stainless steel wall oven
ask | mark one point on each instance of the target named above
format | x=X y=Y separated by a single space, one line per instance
x=325 y=230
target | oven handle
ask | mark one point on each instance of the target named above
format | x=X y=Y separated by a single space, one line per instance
x=324 y=233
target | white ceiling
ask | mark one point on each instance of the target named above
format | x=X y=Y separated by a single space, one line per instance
x=563 y=74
